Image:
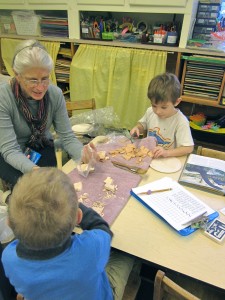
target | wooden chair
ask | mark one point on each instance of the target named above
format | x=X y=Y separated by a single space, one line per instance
x=165 y=287
x=5 y=186
x=80 y=105
x=210 y=153
x=133 y=284
x=70 y=106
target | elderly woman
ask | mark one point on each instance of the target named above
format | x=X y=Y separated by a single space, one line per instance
x=29 y=106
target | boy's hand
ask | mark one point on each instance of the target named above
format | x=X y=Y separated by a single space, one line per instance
x=135 y=132
x=159 y=152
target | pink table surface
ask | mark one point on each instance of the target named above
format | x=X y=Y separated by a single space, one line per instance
x=93 y=184
x=109 y=204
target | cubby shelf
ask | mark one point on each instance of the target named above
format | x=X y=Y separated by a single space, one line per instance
x=72 y=9
x=201 y=101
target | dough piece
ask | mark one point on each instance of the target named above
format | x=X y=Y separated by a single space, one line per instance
x=108 y=180
x=130 y=151
x=85 y=168
x=78 y=186
x=102 y=155
x=109 y=185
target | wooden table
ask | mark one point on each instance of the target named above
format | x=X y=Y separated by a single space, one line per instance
x=140 y=232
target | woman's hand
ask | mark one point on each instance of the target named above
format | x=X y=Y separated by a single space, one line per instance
x=89 y=153
x=35 y=168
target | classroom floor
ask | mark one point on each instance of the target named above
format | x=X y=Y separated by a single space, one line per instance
x=147 y=275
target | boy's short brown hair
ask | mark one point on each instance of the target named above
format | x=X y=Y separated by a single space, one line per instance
x=163 y=88
x=43 y=208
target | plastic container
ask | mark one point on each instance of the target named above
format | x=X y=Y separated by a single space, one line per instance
x=214 y=137
x=108 y=36
x=7 y=25
x=171 y=37
x=26 y=23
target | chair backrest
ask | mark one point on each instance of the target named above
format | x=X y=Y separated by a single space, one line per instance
x=163 y=286
x=210 y=153
x=80 y=105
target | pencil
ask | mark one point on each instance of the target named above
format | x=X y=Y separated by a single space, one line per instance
x=149 y=192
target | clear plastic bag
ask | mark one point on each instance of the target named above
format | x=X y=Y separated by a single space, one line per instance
x=101 y=119
x=85 y=168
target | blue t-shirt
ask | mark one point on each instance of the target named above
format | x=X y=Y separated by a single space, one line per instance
x=76 y=274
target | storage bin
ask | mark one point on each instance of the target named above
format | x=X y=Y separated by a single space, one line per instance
x=202 y=21
x=202 y=36
x=204 y=29
x=108 y=36
x=209 y=7
x=7 y=25
x=26 y=23
x=207 y=14
x=208 y=136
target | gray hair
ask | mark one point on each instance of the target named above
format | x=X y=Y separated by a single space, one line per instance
x=29 y=54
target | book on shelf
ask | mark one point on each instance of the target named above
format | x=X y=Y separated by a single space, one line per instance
x=199 y=94
x=202 y=81
x=174 y=204
x=65 y=52
x=196 y=77
x=199 y=86
x=205 y=173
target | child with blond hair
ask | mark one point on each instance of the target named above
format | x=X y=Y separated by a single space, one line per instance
x=46 y=261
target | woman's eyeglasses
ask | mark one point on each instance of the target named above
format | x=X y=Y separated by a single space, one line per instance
x=35 y=82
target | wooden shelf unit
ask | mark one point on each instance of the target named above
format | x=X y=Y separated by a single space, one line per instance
x=187 y=8
x=66 y=53
x=62 y=67
x=201 y=101
x=208 y=79
x=72 y=9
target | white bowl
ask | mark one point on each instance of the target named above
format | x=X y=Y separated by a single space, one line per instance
x=82 y=128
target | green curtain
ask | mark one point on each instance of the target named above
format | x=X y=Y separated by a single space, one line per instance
x=8 y=48
x=116 y=77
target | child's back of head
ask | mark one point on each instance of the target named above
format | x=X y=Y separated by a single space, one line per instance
x=43 y=208
x=164 y=88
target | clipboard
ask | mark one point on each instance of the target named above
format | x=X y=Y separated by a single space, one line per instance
x=186 y=230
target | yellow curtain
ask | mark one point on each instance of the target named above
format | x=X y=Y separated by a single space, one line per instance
x=117 y=77
x=8 y=48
